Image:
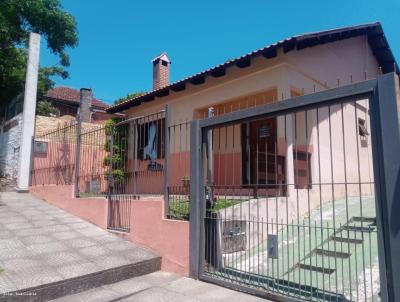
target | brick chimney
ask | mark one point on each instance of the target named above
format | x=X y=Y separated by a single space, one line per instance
x=161 y=71
x=85 y=104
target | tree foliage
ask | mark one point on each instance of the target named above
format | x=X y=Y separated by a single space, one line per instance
x=129 y=97
x=115 y=160
x=17 y=19
x=45 y=108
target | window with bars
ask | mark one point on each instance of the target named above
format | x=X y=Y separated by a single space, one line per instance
x=150 y=142
x=363 y=132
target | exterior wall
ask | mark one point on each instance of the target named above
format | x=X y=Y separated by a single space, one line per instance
x=45 y=124
x=170 y=238
x=66 y=109
x=93 y=210
x=10 y=140
x=298 y=72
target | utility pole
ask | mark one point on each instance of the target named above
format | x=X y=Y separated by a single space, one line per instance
x=28 y=115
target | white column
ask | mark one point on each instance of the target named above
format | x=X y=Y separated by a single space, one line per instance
x=28 y=117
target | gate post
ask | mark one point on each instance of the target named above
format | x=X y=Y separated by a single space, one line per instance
x=166 y=162
x=77 y=156
x=196 y=203
x=385 y=123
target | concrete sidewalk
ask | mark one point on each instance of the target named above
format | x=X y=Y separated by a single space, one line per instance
x=46 y=252
x=160 y=287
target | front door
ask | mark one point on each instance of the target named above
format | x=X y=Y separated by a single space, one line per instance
x=262 y=166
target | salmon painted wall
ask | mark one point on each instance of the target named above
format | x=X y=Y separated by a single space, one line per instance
x=57 y=165
x=93 y=210
x=170 y=238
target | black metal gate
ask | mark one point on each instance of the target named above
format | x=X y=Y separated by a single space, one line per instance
x=307 y=224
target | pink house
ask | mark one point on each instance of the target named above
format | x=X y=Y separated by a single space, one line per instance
x=298 y=65
x=283 y=166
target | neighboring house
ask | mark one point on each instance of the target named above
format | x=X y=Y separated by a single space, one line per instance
x=66 y=100
x=298 y=65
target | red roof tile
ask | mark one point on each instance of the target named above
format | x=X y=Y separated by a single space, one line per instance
x=72 y=95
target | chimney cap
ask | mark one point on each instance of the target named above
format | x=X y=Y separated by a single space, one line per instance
x=163 y=56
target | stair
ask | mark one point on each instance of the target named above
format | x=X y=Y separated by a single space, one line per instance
x=356 y=228
x=367 y=226
x=318 y=269
x=329 y=253
x=347 y=240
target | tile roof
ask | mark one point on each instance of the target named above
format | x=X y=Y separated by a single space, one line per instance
x=72 y=95
x=374 y=32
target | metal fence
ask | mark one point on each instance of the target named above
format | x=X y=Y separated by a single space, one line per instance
x=53 y=157
x=178 y=180
x=283 y=200
x=91 y=178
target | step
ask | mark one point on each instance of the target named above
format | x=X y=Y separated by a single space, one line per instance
x=356 y=228
x=364 y=219
x=318 y=269
x=54 y=290
x=330 y=253
x=347 y=240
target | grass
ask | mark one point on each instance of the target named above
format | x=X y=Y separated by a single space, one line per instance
x=179 y=208
x=1 y=270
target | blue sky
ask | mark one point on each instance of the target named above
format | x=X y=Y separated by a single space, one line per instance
x=118 y=39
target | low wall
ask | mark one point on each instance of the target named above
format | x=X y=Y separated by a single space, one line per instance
x=93 y=210
x=10 y=140
x=169 y=238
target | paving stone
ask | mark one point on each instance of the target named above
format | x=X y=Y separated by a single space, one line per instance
x=91 y=231
x=80 y=243
x=110 y=261
x=78 y=269
x=61 y=258
x=94 y=295
x=93 y=251
x=4 y=234
x=19 y=263
x=65 y=235
x=49 y=247
x=43 y=223
x=71 y=219
x=34 y=239
x=107 y=238
x=19 y=225
x=6 y=284
x=78 y=225
x=13 y=243
x=13 y=253
x=31 y=232
x=118 y=246
x=33 y=276
x=159 y=294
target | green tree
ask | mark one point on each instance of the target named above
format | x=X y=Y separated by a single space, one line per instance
x=129 y=97
x=45 y=108
x=17 y=19
x=115 y=160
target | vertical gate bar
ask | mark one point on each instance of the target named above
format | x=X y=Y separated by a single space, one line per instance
x=210 y=145
x=31 y=164
x=166 y=159
x=77 y=156
x=386 y=149
x=196 y=203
